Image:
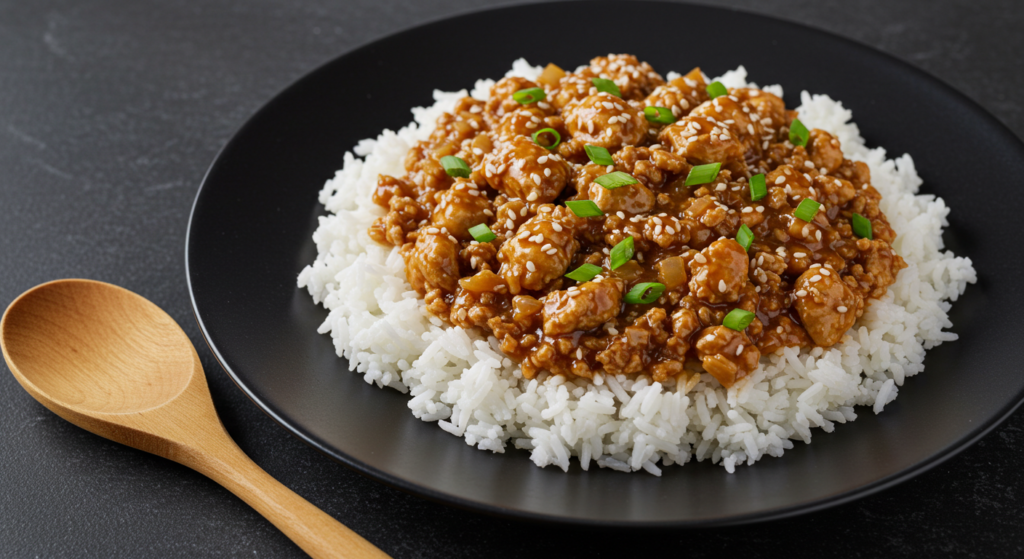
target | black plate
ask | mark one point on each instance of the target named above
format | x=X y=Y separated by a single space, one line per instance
x=249 y=237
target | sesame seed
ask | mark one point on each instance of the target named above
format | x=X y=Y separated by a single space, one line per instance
x=815 y=278
x=823 y=170
x=720 y=187
x=670 y=230
x=531 y=125
x=657 y=220
x=809 y=164
x=739 y=350
x=533 y=195
x=621 y=215
x=546 y=247
x=488 y=213
x=547 y=172
x=700 y=258
x=760 y=209
x=552 y=252
x=523 y=211
x=815 y=265
x=825 y=272
x=801 y=293
x=799 y=254
x=542 y=159
x=556 y=227
x=531 y=267
x=721 y=286
x=747 y=209
x=780 y=180
x=841 y=308
x=657 y=230
x=817 y=235
x=511 y=224
x=433 y=230
x=609 y=168
x=579 y=353
x=536 y=179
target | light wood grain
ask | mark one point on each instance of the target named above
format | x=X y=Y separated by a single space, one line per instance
x=114 y=363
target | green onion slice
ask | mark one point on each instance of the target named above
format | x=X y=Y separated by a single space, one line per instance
x=758 y=188
x=615 y=180
x=738 y=319
x=716 y=89
x=703 y=174
x=455 y=166
x=598 y=155
x=807 y=209
x=584 y=273
x=660 y=115
x=861 y=226
x=584 y=208
x=558 y=137
x=482 y=233
x=744 y=237
x=529 y=95
x=798 y=134
x=607 y=86
x=621 y=253
x=645 y=293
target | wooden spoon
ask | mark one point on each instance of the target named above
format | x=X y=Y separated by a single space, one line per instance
x=115 y=364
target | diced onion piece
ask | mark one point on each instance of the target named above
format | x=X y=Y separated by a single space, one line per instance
x=551 y=75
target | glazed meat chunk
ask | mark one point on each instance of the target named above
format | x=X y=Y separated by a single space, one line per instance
x=632 y=198
x=635 y=79
x=501 y=101
x=701 y=140
x=727 y=355
x=680 y=95
x=461 y=207
x=582 y=307
x=540 y=252
x=605 y=120
x=719 y=272
x=827 y=306
x=736 y=116
x=525 y=170
x=432 y=262
x=825 y=151
x=522 y=122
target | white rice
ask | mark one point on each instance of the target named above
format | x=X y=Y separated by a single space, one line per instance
x=461 y=380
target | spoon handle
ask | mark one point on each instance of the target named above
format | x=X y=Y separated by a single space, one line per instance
x=313 y=530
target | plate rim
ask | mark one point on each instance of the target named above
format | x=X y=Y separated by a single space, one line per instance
x=905 y=474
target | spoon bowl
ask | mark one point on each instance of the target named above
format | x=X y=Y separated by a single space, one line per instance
x=115 y=364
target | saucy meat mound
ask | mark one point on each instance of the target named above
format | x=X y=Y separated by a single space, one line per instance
x=639 y=272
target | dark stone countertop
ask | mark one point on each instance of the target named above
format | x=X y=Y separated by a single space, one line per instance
x=111 y=113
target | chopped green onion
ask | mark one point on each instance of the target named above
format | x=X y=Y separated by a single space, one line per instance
x=661 y=115
x=558 y=137
x=615 y=180
x=703 y=174
x=798 y=134
x=584 y=273
x=861 y=226
x=482 y=233
x=745 y=236
x=529 y=95
x=652 y=289
x=758 y=189
x=584 y=208
x=607 y=86
x=716 y=89
x=455 y=166
x=621 y=253
x=807 y=209
x=598 y=155
x=738 y=319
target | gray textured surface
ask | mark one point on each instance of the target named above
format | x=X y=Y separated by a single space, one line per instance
x=111 y=112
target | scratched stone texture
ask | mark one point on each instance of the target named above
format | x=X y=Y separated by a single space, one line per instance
x=110 y=112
